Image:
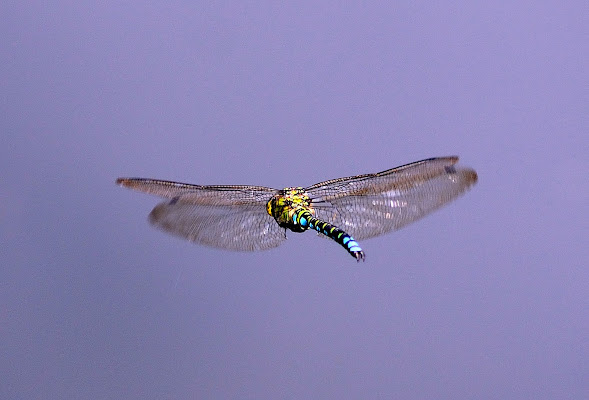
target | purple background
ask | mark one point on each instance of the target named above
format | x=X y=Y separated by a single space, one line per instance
x=485 y=299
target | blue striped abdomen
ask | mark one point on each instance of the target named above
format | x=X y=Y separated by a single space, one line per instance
x=306 y=220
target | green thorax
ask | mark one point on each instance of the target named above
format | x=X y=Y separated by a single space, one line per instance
x=284 y=205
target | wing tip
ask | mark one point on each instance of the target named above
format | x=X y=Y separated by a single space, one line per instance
x=468 y=174
x=129 y=182
x=449 y=159
x=471 y=176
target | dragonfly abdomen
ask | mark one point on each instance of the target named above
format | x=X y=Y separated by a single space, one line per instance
x=305 y=219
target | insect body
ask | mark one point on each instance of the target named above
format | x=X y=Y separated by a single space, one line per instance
x=251 y=218
x=292 y=209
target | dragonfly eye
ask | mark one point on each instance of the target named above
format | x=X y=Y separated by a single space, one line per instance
x=270 y=207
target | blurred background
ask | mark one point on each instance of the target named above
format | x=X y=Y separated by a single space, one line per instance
x=486 y=298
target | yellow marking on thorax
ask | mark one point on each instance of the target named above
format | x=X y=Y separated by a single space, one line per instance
x=283 y=206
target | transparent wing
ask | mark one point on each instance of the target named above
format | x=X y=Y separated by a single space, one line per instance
x=373 y=204
x=218 y=195
x=227 y=217
x=243 y=228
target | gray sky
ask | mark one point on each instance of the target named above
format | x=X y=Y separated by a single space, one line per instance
x=486 y=298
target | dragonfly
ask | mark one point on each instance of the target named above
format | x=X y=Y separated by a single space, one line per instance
x=253 y=218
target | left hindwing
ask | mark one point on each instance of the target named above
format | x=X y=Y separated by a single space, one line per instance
x=244 y=228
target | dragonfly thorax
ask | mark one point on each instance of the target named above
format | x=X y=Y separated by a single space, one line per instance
x=284 y=206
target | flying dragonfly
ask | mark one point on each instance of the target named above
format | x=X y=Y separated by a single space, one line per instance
x=252 y=218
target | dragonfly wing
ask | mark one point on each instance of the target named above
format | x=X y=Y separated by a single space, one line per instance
x=241 y=228
x=228 y=217
x=217 y=195
x=370 y=205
